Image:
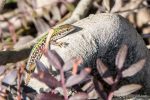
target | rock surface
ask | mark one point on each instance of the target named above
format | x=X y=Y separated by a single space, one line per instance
x=100 y=36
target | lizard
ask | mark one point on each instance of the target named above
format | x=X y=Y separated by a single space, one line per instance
x=36 y=53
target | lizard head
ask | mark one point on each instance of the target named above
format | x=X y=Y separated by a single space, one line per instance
x=63 y=30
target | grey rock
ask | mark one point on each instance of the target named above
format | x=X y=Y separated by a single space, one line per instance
x=101 y=36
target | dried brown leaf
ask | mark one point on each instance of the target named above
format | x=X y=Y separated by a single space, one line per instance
x=11 y=28
x=22 y=5
x=10 y=77
x=134 y=68
x=55 y=13
x=108 y=4
x=2 y=3
x=63 y=9
x=40 y=25
x=48 y=79
x=3 y=91
x=79 y=96
x=43 y=3
x=118 y=4
x=54 y=59
x=121 y=56
x=127 y=89
x=22 y=40
x=2 y=98
x=2 y=69
x=88 y=86
x=48 y=96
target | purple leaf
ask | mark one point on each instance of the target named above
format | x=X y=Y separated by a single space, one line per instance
x=133 y=69
x=99 y=88
x=2 y=69
x=41 y=66
x=48 y=96
x=102 y=69
x=127 y=89
x=108 y=80
x=79 y=96
x=10 y=77
x=69 y=64
x=75 y=79
x=121 y=56
x=54 y=59
x=48 y=79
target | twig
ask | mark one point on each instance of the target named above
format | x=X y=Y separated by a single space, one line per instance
x=2 y=3
x=20 y=73
x=63 y=84
x=134 y=4
x=18 y=86
x=80 y=11
x=51 y=31
x=17 y=20
x=13 y=56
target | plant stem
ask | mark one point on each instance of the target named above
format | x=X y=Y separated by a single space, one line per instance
x=63 y=84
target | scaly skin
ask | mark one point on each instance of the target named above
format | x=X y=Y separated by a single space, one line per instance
x=36 y=52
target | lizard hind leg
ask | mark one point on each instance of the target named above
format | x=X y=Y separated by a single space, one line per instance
x=27 y=78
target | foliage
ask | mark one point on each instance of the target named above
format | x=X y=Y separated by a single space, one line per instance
x=75 y=79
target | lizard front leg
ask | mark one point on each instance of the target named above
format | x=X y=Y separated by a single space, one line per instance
x=60 y=44
x=49 y=40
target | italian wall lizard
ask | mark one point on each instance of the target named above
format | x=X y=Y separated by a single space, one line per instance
x=36 y=52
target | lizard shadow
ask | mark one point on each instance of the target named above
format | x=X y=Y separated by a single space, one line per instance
x=77 y=29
